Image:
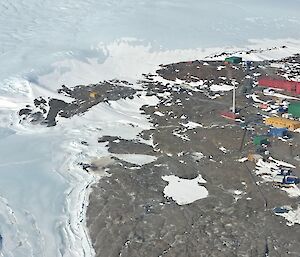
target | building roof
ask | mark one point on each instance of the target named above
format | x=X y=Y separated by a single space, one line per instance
x=282 y=120
x=234 y=57
x=279 y=129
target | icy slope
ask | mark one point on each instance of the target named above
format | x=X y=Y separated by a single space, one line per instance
x=44 y=192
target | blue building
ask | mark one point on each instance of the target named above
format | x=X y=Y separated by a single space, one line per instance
x=278 y=132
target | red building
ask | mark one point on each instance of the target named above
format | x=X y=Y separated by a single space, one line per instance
x=229 y=115
x=288 y=85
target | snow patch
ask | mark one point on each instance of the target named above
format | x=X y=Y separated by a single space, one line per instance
x=217 y=88
x=159 y=114
x=192 y=125
x=292 y=216
x=184 y=191
x=137 y=159
x=243 y=159
x=223 y=149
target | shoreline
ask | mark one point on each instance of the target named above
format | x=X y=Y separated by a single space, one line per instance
x=86 y=180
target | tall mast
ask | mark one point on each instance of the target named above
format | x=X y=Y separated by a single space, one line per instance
x=233 y=98
x=229 y=74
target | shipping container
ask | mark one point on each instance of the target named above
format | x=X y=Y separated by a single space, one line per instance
x=291 y=180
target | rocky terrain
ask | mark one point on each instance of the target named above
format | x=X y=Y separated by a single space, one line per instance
x=128 y=214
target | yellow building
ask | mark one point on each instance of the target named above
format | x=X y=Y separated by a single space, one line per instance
x=93 y=95
x=279 y=122
x=252 y=157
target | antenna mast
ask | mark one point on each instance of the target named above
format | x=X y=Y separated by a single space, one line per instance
x=233 y=98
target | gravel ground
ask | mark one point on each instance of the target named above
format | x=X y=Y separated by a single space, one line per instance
x=128 y=214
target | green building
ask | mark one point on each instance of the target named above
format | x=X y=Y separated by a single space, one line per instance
x=260 y=140
x=234 y=59
x=294 y=109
